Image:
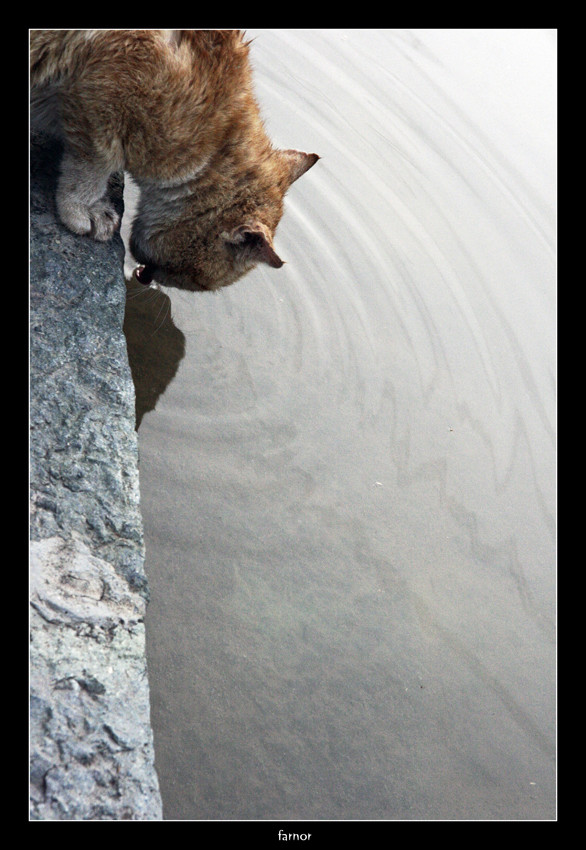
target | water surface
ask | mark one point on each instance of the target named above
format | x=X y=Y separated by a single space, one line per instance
x=348 y=465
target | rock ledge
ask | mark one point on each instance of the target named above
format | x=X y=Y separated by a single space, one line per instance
x=91 y=742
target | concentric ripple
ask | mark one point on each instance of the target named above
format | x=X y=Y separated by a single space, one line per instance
x=348 y=482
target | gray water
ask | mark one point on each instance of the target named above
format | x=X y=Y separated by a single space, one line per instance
x=347 y=465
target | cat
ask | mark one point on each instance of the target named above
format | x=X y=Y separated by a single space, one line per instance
x=176 y=110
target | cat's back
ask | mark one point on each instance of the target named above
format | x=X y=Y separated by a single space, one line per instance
x=56 y=53
x=61 y=54
x=60 y=59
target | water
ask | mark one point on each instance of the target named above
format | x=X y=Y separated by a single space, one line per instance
x=348 y=465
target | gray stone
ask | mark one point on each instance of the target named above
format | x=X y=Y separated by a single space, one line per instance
x=90 y=736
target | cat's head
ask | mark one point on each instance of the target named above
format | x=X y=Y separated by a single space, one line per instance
x=224 y=228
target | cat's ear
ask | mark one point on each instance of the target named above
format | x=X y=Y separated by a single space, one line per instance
x=298 y=162
x=252 y=243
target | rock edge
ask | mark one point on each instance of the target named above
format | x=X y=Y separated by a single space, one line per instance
x=91 y=743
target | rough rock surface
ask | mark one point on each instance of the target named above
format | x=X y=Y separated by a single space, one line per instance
x=91 y=742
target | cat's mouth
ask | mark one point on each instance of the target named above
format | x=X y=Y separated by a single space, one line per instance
x=145 y=274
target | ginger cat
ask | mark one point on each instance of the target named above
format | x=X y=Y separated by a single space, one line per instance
x=176 y=109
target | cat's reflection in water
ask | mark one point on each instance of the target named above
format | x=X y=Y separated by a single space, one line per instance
x=155 y=345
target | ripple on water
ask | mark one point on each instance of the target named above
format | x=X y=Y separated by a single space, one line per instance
x=349 y=482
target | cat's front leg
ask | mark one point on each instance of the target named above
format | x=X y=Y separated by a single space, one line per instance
x=82 y=201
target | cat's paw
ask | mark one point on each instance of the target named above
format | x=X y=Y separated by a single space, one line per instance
x=98 y=220
x=105 y=220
